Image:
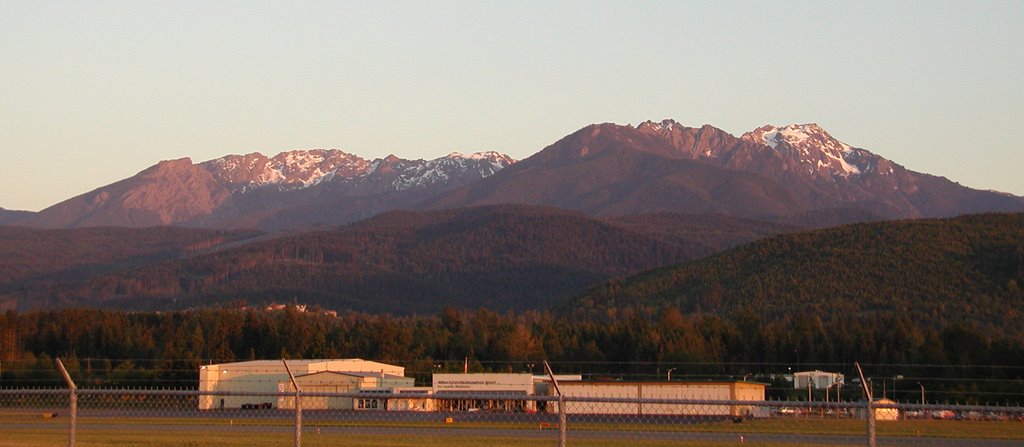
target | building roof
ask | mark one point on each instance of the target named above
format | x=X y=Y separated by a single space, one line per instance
x=353 y=374
x=277 y=363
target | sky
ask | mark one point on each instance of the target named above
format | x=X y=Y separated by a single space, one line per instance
x=94 y=92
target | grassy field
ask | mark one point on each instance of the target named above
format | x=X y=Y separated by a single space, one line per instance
x=91 y=438
x=20 y=429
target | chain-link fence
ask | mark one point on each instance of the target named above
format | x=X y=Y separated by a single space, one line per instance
x=173 y=417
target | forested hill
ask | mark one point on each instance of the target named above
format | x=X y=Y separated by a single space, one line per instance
x=966 y=270
x=40 y=257
x=500 y=257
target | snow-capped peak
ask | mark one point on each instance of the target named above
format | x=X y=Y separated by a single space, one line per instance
x=454 y=169
x=480 y=156
x=304 y=168
x=290 y=169
x=793 y=134
x=808 y=143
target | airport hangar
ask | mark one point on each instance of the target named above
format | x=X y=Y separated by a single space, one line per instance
x=271 y=377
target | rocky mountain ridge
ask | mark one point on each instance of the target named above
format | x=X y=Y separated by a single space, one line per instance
x=306 y=168
x=243 y=190
x=796 y=174
x=790 y=173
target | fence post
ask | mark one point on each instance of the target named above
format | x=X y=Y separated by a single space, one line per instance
x=871 y=423
x=298 y=406
x=561 y=406
x=72 y=403
x=869 y=409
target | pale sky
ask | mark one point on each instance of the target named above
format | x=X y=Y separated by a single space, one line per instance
x=94 y=92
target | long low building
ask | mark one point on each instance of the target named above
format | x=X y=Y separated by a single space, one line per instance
x=516 y=386
x=734 y=391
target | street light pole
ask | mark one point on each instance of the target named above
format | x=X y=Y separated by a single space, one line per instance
x=670 y=374
x=922 y=392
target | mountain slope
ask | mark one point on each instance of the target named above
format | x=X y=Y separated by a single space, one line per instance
x=504 y=257
x=793 y=173
x=256 y=191
x=613 y=170
x=963 y=270
x=171 y=192
x=837 y=172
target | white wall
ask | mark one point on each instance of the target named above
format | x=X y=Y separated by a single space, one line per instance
x=660 y=390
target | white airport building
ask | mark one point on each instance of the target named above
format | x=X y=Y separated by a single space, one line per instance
x=270 y=377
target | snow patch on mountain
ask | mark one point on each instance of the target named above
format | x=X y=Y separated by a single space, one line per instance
x=286 y=170
x=809 y=144
x=419 y=174
x=305 y=168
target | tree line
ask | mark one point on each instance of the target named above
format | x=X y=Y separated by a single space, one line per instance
x=118 y=348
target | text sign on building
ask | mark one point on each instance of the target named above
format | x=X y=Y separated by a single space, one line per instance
x=483 y=382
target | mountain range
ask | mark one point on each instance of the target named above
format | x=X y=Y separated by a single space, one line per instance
x=795 y=174
x=317 y=186
x=466 y=230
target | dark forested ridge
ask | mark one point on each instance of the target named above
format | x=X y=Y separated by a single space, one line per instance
x=966 y=270
x=500 y=257
x=40 y=258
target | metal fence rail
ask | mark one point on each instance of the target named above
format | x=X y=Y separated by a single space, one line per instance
x=173 y=417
